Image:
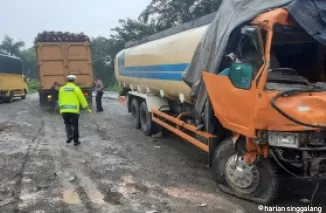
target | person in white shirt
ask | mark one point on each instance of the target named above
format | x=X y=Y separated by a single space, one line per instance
x=99 y=94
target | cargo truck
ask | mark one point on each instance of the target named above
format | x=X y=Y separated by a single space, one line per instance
x=268 y=101
x=59 y=55
x=12 y=80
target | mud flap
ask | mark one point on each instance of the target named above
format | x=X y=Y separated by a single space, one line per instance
x=315 y=165
x=212 y=126
x=212 y=144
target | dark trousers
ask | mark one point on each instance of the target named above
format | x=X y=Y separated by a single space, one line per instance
x=71 y=123
x=99 y=95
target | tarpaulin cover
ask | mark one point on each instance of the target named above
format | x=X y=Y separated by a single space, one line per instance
x=311 y=14
x=10 y=65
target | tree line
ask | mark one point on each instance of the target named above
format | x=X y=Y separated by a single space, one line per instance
x=157 y=16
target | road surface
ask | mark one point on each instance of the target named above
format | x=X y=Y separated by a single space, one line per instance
x=115 y=169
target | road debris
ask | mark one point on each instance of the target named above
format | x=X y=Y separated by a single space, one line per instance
x=203 y=205
x=305 y=201
x=72 y=179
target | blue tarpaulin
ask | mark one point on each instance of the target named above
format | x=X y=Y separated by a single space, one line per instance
x=311 y=15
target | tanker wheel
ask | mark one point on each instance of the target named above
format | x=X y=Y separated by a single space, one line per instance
x=146 y=123
x=135 y=113
x=258 y=183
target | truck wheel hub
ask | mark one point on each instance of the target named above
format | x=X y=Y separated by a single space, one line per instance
x=242 y=175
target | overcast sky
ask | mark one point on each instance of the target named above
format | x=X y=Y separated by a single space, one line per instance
x=23 y=19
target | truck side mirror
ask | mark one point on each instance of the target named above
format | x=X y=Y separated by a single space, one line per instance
x=241 y=74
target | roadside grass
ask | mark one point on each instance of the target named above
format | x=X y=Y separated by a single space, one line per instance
x=33 y=86
x=114 y=88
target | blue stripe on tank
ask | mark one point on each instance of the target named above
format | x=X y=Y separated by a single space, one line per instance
x=161 y=71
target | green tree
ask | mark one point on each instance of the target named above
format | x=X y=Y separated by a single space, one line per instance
x=15 y=48
x=30 y=63
x=104 y=49
x=165 y=13
x=131 y=30
x=11 y=47
x=102 y=59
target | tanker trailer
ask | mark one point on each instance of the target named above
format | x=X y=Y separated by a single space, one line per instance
x=153 y=71
x=268 y=110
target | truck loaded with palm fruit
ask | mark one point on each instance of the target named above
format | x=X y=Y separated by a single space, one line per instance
x=61 y=54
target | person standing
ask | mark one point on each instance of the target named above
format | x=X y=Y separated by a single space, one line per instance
x=70 y=99
x=99 y=94
x=54 y=94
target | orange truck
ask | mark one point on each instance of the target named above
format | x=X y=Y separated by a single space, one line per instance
x=59 y=55
x=268 y=111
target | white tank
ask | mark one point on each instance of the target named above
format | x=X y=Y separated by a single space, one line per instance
x=156 y=67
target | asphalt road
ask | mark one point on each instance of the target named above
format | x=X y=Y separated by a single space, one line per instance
x=115 y=169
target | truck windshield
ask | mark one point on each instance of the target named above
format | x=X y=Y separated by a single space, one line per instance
x=293 y=59
x=248 y=51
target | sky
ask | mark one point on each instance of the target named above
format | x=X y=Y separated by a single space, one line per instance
x=24 y=19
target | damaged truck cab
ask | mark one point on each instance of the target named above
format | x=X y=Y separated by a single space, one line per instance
x=270 y=99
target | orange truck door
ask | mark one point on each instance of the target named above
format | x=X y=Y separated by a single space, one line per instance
x=51 y=64
x=232 y=106
x=79 y=63
x=233 y=92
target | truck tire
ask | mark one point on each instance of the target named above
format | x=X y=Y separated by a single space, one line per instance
x=135 y=113
x=258 y=183
x=10 y=98
x=146 y=123
x=40 y=98
x=25 y=94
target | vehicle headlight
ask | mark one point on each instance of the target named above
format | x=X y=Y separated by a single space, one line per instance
x=284 y=139
x=49 y=96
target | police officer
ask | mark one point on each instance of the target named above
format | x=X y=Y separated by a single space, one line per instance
x=70 y=98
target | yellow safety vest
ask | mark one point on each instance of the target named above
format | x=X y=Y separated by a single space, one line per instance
x=70 y=97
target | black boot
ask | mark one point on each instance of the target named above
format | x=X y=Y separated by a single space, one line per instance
x=69 y=140
x=69 y=133
x=77 y=142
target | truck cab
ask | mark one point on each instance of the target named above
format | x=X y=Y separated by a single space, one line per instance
x=271 y=96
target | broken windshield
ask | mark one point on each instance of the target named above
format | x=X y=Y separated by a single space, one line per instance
x=293 y=59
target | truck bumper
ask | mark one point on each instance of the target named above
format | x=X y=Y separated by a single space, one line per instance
x=88 y=93
x=46 y=101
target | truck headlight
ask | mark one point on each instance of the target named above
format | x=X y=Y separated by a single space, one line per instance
x=284 y=139
x=49 y=96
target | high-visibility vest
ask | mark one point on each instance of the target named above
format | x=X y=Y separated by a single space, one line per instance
x=70 y=97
